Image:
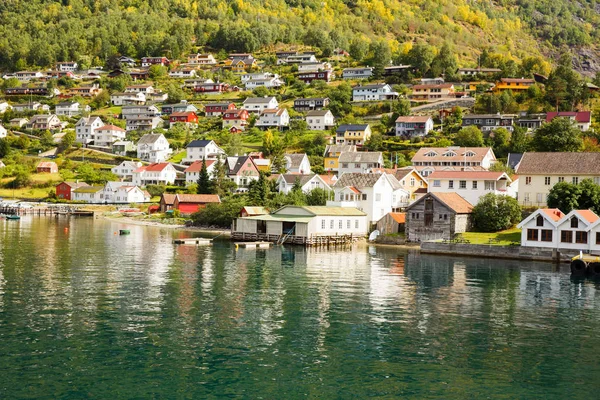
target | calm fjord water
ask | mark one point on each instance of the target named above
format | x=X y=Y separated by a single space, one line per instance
x=85 y=313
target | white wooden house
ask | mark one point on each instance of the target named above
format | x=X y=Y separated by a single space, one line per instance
x=153 y=148
x=198 y=150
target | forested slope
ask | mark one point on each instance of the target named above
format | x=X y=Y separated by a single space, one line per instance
x=40 y=32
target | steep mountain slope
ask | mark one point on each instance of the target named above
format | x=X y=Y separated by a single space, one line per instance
x=40 y=32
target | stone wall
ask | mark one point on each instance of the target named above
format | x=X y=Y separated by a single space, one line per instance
x=488 y=251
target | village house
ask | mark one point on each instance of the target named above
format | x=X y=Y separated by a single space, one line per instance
x=109 y=191
x=183 y=106
x=128 y=98
x=153 y=147
x=192 y=83
x=531 y=122
x=130 y=194
x=235 y=120
x=539 y=172
x=249 y=76
x=192 y=173
x=240 y=63
x=307 y=182
x=478 y=71
x=198 y=150
x=44 y=122
x=139 y=74
x=539 y=229
x=3 y=132
x=188 y=118
x=308 y=104
x=273 y=118
x=472 y=185
x=360 y=161
x=308 y=77
x=241 y=170
x=297 y=59
x=429 y=159
x=301 y=224
x=89 y=194
x=143 y=123
x=126 y=61
x=155 y=174
x=436 y=91
x=391 y=223
x=149 y=61
x=133 y=112
x=91 y=90
x=357 y=73
x=413 y=126
x=166 y=202
x=259 y=104
x=122 y=147
x=188 y=204
x=202 y=59
x=515 y=85
x=125 y=170
x=320 y=120
x=437 y=216
x=332 y=154
x=583 y=119
x=145 y=88
x=489 y=122
x=26 y=76
x=211 y=88
x=356 y=134
x=249 y=211
x=64 y=190
x=70 y=108
x=183 y=73
x=217 y=109
x=410 y=180
x=4 y=107
x=270 y=83
x=314 y=67
x=106 y=135
x=375 y=194
x=296 y=163
x=373 y=92
x=47 y=167
x=31 y=106
x=66 y=66
x=37 y=90
x=18 y=122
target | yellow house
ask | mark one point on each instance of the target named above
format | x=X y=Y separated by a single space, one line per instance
x=332 y=155
x=513 y=84
x=354 y=134
x=241 y=64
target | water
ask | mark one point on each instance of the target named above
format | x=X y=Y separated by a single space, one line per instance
x=86 y=313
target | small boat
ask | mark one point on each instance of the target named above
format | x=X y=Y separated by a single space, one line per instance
x=124 y=231
x=13 y=217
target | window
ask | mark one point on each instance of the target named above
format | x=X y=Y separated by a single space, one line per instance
x=450 y=184
x=344 y=165
x=561 y=178
x=539 y=197
x=356 y=165
x=331 y=224
x=356 y=224
x=412 y=181
x=341 y=224
x=462 y=184
x=566 y=237
x=581 y=237
x=539 y=221
x=597 y=237
x=490 y=185
x=378 y=197
x=474 y=184
x=437 y=183
x=597 y=180
x=532 y=234
x=574 y=222
x=547 y=180
x=575 y=180
x=445 y=217
x=528 y=180
x=546 y=235
x=526 y=196
x=322 y=224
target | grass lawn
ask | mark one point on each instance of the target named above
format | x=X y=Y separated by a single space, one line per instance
x=110 y=111
x=178 y=157
x=502 y=238
x=25 y=193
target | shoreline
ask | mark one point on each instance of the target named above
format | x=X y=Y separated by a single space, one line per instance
x=133 y=221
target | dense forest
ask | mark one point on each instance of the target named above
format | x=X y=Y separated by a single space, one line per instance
x=41 y=32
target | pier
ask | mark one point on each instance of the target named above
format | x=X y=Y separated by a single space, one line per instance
x=194 y=241
x=51 y=211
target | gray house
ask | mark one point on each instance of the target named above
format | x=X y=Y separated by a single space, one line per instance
x=437 y=216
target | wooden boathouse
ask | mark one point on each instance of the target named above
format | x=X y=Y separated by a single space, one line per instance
x=303 y=225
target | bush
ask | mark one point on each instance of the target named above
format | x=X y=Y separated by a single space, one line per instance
x=494 y=213
x=155 y=190
x=221 y=215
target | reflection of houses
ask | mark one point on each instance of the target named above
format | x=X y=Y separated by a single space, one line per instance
x=303 y=225
x=437 y=216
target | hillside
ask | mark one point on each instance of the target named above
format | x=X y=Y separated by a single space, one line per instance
x=40 y=32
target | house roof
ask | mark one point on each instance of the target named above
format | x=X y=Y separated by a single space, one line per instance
x=398 y=217
x=149 y=138
x=360 y=157
x=156 y=167
x=196 y=166
x=487 y=116
x=234 y=164
x=455 y=202
x=559 y=163
x=587 y=215
x=479 y=153
x=183 y=114
x=74 y=185
x=47 y=164
x=328 y=179
x=317 y=113
x=339 y=148
x=357 y=180
x=413 y=118
x=483 y=175
x=434 y=86
x=351 y=127
x=223 y=104
x=198 y=198
x=290 y=179
x=199 y=143
x=517 y=80
x=371 y=86
x=88 y=189
x=259 y=100
x=295 y=159
x=168 y=198
x=110 y=128
x=553 y=213
x=579 y=116
x=255 y=210
x=514 y=159
x=311 y=99
x=326 y=210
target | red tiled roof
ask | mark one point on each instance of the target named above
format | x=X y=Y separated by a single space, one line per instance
x=398 y=217
x=183 y=114
x=111 y=128
x=328 y=179
x=197 y=166
x=198 y=198
x=588 y=215
x=488 y=175
x=580 y=116
x=553 y=213
x=157 y=167
x=455 y=201
x=413 y=118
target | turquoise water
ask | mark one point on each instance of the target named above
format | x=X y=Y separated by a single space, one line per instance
x=86 y=313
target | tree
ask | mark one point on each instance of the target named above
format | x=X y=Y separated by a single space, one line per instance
x=317 y=197
x=4 y=148
x=22 y=177
x=67 y=141
x=204 y=183
x=564 y=196
x=564 y=88
x=47 y=139
x=259 y=191
x=499 y=140
x=382 y=55
x=445 y=62
x=420 y=56
x=358 y=49
x=494 y=213
x=520 y=141
x=560 y=134
x=101 y=100
x=590 y=196
x=157 y=71
x=222 y=185
x=175 y=93
x=469 y=136
x=375 y=142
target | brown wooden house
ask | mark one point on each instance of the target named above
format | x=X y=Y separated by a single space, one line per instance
x=437 y=216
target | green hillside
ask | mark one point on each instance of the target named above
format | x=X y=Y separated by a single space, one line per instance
x=40 y=32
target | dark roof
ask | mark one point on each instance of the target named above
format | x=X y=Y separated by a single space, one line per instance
x=351 y=127
x=291 y=178
x=560 y=163
x=199 y=143
x=234 y=164
x=514 y=159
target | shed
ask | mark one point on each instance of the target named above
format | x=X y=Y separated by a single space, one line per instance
x=190 y=203
x=392 y=222
x=47 y=167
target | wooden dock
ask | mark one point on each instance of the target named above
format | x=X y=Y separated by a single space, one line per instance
x=253 y=245
x=194 y=241
x=311 y=241
x=52 y=211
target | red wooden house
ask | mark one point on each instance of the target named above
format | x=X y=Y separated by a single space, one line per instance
x=191 y=203
x=308 y=77
x=148 y=61
x=187 y=117
x=64 y=190
x=235 y=120
x=216 y=109
x=215 y=87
